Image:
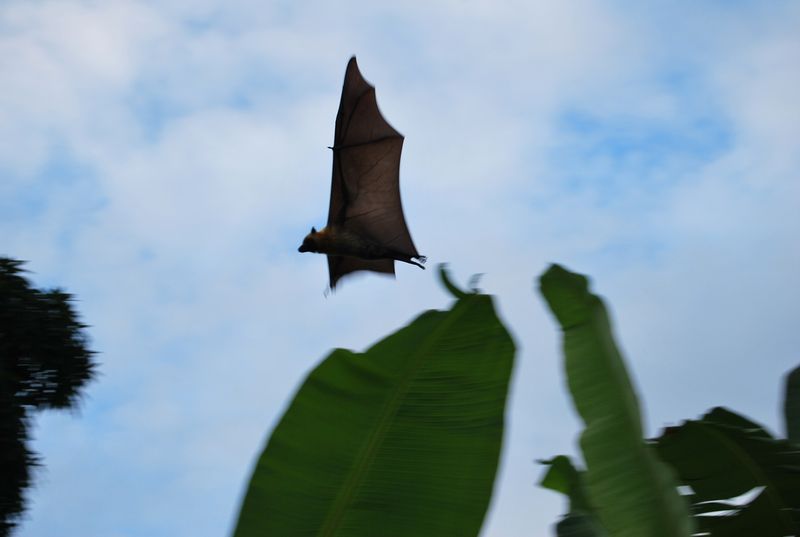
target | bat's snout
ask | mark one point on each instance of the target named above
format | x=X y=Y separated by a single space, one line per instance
x=308 y=243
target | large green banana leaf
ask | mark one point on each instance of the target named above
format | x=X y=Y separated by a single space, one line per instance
x=791 y=405
x=723 y=456
x=401 y=440
x=631 y=491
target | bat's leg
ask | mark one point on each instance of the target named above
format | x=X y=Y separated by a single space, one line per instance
x=410 y=259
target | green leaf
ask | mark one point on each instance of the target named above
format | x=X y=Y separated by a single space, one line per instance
x=402 y=440
x=563 y=477
x=725 y=455
x=791 y=405
x=579 y=525
x=444 y=278
x=631 y=491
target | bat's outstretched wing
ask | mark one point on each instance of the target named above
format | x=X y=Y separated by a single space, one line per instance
x=365 y=191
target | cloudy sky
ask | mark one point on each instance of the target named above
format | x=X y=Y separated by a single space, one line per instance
x=162 y=161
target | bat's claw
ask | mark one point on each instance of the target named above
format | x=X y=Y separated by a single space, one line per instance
x=420 y=258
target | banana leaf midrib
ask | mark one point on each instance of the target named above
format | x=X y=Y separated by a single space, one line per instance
x=363 y=461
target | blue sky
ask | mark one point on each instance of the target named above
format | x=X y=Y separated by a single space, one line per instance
x=163 y=160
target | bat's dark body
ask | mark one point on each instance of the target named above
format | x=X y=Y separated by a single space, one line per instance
x=366 y=228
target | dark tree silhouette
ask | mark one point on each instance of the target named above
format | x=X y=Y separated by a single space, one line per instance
x=44 y=363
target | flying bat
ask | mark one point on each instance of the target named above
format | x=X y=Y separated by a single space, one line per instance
x=366 y=228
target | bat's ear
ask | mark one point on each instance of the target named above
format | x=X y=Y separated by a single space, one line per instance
x=313 y=229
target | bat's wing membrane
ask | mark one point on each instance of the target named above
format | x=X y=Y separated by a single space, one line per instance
x=365 y=193
x=339 y=265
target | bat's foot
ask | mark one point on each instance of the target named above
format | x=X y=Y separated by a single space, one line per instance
x=405 y=258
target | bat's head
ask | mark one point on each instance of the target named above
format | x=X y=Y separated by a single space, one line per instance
x=310 y=242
